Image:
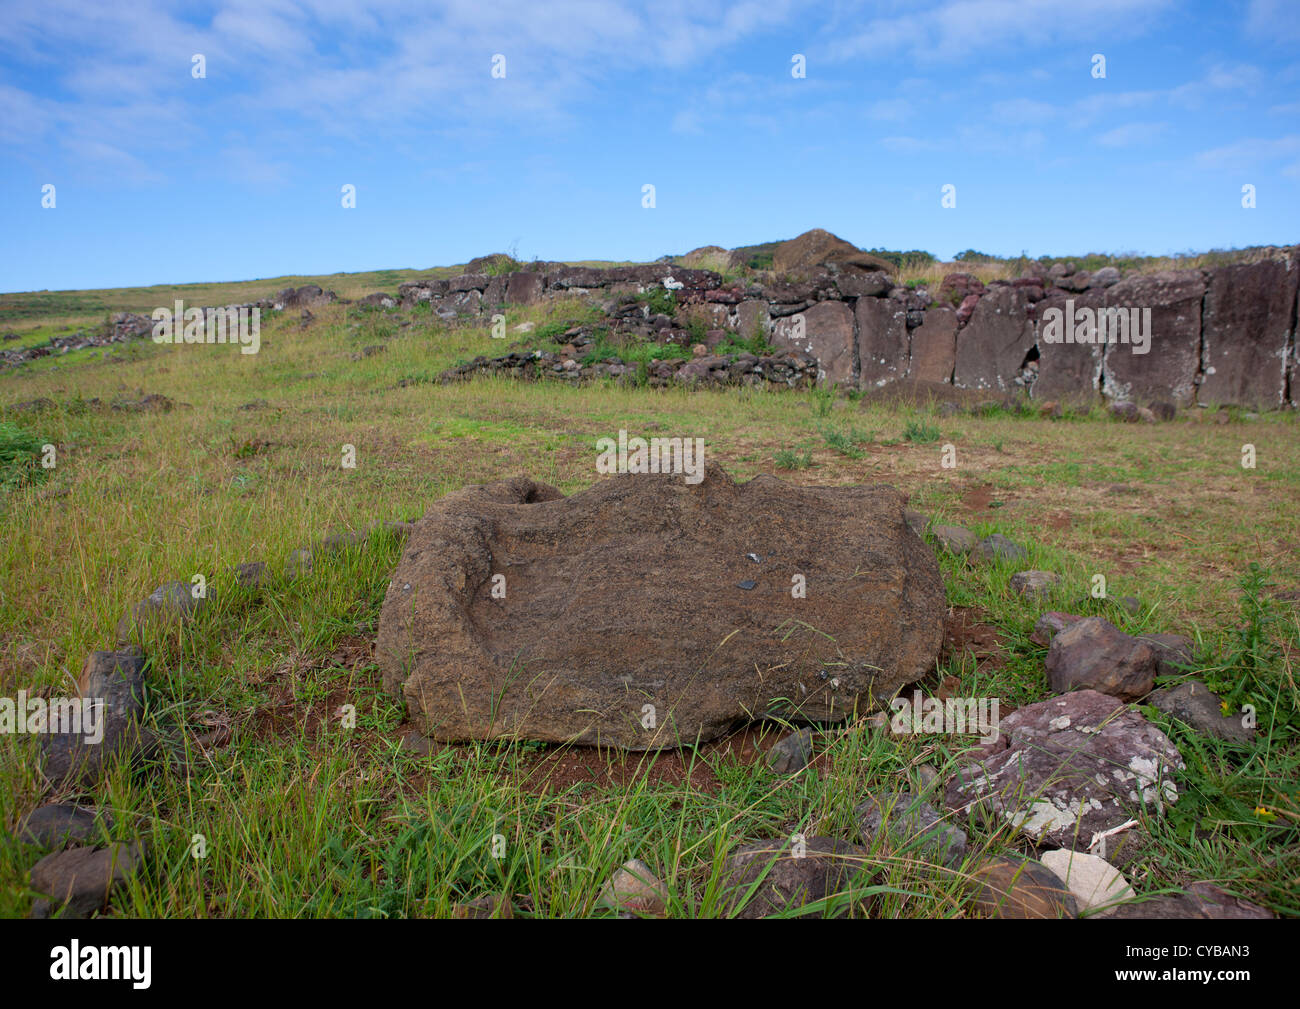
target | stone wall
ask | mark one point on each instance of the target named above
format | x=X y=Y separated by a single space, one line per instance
x=1225 y=336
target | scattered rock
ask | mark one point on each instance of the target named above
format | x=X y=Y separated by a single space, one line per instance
x=1009 y=887
x=998 y=548
x=80 y=881
x=251 y=574
x=60 y=824
x=1034 y=584
x=1095 y=654
x=1051 y=623
x=955 y=539
x=1193 y=703
x=791 y=753
x=635 y=891
x=1068 y=768
x=915 y=521
x=785 y=878
x=1095 y=883
x=1201 y=900
x=1174 y=653
x=590 y=586
x=114 y=683
x=911 y=826
x=169 y=605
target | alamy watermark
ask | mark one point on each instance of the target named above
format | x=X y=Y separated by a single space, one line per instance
x=655 y=455
x=78 y=716
x=234 y=324
x=954 y=716
x=1130 y=326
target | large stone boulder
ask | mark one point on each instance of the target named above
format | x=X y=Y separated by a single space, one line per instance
x=1068 y=372
x=934 y=346
x=648 y=612
x=993 y=345
x=817 y=248
x=1067 y=769
x=1167 y=371
x=882 y=341
x=826 y=332
x=1246 y=326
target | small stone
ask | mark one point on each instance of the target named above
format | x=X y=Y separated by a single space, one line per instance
x=634 y=890
x=784 y=877
x=1095 y=883
x=1129 y=604
x=169 y=604
x=417 y=743
x=747 y=584
x=1193 y=703
x=1174 y=653
x=955 y=539
x=1034 y=584
x=910 y=824
x=755 y=558
x=998 y=548
x=915 y=521
x=1096 y=655
x=56 y=825
x=791 y=753
x=251 y=574
x=80 y=881
x=1021 y=888
x=1050 y=624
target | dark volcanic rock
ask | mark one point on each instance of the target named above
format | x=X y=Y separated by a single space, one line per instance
x=1201 y=900
x=1192 y=702
x=78 y=882
x=57 y=825
x=992 y=346
x=913 y=828
x=1246 y=326
x=1068 y=768
x=770 y=877
x=882 y=341
x=1168 y=370
x=625 y=595
x=934 y=346
x=827 y=334
x=1068 y=372
x=115 y=683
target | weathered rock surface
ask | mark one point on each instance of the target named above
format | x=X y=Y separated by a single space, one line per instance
x=791 y=753
x=818 y=247
x=934 y=346
x=882 y=341
x=999 y=548
x=1168 y=370
x=1067 y=768
x=1034 y=584
x=634 y=889
x=913 y=828
x=1201 y=900
x=827 y=334
x=1011 y=887
x=80 y=881
x=626 y=596
x=992 y=346
x=59 y=824
x=955 y=539
x=1095 y=883
x=1095 y=654
x=770 y=877
x=1068 y=372
x=169 y=604
x=1245 y=329
x=1050 y=624
x=1193 y=703
x=79 y=753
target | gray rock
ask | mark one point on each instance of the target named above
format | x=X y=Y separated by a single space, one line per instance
x=915 y=521
x=1201 y=900
x=791 y=753
x=955 y=539
x=1050 y=624
x=168 y=605
x=634 y=890
x=1174 y=653
x=998 y=548
x=1095 y=654
x=1034 y=584
x=1193 y=703
x=59 y=824
x=910 y=825
x=80 y=881
x=1066 y=769
x=772 y=877
x=78 y=754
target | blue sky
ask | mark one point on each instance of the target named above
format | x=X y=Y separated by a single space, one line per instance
x=164 y=178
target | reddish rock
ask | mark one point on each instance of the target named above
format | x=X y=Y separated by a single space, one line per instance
x=826 y=332
x=523 y=288
x=993 y=345
x=934 y=346
x=1095 y=654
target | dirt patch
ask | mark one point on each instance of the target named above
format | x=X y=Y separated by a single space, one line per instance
x=965 y=631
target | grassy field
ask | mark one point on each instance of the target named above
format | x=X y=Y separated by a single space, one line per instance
x=300 y=816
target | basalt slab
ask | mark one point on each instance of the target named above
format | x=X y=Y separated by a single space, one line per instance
x=648 y=612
